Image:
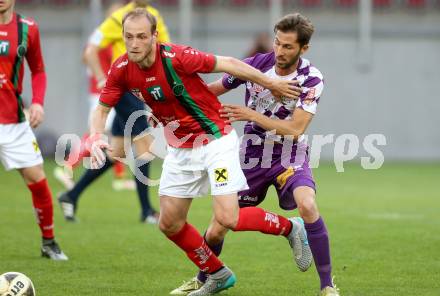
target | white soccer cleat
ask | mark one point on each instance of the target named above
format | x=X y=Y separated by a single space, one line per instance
x=63 y=178
x=187 y=287
x=300 y=245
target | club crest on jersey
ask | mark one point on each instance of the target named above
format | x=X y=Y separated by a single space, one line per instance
x=4 y=47
x=178 y=89
x=137 y=92
x=157 y=93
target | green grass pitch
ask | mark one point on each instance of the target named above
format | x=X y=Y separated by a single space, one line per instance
x=384 y=229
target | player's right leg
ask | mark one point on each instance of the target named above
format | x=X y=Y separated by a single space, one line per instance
x=172 y=222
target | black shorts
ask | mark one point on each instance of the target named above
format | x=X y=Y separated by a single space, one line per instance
x=128 y=104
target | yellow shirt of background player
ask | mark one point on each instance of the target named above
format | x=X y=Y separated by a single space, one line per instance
x=110 y=31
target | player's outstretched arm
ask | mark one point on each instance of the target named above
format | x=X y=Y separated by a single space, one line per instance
x=294 y=127
x=98 y=143
x=91 y=59
x=217 y=88
x=241 y=70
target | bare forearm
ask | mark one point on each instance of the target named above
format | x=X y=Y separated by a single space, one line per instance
x=242 y=71
x=217 y=88
x=281 y=127
x=92 y=60
x=99 y=118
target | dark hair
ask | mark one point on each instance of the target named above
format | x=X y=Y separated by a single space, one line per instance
x=296 y=22
x=141 y=12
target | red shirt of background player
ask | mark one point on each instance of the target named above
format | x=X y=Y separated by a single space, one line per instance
x=193 y=107
x=8 y=52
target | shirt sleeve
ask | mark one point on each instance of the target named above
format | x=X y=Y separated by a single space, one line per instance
x=231 y=82
x=194 y=61
x=107 y=33
x=115 y=85
x=311 y=92
x=34 y=58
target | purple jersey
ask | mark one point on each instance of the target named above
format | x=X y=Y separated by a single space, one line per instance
x=262 y=100
x=285 y=172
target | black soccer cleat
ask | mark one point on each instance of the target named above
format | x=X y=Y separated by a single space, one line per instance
x=68 y=207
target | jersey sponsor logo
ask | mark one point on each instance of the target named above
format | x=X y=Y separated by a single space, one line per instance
x=150 y=79
x=122 y=64
x=157 y=93
x=169 y=54
x=249 y=198
x=231 y=79
x=35 y=145
x=282 y=178
x=4 y=47
x=3 y=33
x=257 y=88
x=221 y=177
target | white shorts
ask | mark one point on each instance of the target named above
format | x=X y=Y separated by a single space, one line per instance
x=188 y=172
x=18 y=146
x=93 y=103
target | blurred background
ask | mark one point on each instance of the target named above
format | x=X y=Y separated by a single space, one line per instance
x=380 y=60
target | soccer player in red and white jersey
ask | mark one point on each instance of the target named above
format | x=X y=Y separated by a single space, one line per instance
x=202 y=148
x=19 y=40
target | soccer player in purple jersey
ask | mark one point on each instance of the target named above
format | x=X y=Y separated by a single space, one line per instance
x=278 y=125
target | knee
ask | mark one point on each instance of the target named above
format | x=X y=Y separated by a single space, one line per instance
x=227 y=220
x=33 y=175
x=169 y=227
x=308 y=208
x=215 y=234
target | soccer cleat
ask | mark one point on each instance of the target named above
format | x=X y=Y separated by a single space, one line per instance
x=152 y=218
x=300 y=246
x=217 y=282
x=329 y=291
x=63 y=178
x=68 y=207
x=52 y=251
x=123 y=184
x=187 y=287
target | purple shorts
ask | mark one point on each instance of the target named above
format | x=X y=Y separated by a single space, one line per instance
x=284 y=175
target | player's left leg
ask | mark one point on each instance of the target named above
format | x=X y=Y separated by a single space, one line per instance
x=19 y=150
x=317 y=235
x=36 y=181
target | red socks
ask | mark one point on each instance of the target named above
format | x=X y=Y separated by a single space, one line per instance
x=42 y=200
x=257 y=219
x=195 y=247
x=119 y=170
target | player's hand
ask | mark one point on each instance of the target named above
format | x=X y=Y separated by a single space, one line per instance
x=282 y=89
x=98 y=145
x=36 y=115
x=101 y=83
x=235 y=113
